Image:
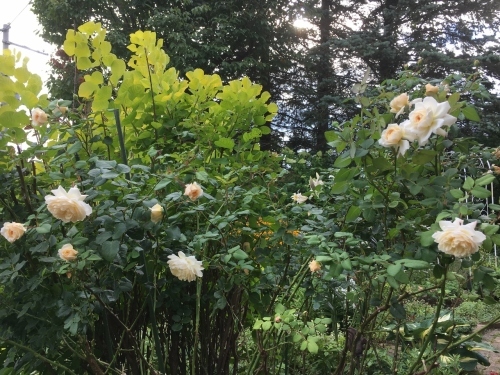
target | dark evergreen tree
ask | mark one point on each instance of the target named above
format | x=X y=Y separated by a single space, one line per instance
x=309 y=72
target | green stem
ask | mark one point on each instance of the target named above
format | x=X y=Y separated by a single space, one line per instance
x=198 y=308
x=123 y=150
x=197 y=324
x=150 y=299
x=296 y=282
x=428 y=339
x=152 y=318
x=299 y=277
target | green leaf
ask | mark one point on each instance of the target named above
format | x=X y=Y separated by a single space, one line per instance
x=117 y=69
x=346 y=264
x=342 y=161
x=468 y=183
x=394 y=269
x=75 y=147
x=470 y=113
x=353 y=213
x=83 y=62
x=303 y=346
x=453 y=99
x=340 y=187
x=240 y=255
x=266 y=326
x=426 y=238
x=225 y=143
x=163 y=183
x=330 y=136
x=485 y=179
x=312 y=347
x=43 y=229
x=415 y=264
x=279 y=309
x=457 y=193
x=109 y=250
x=398 y=311
x=392 y=282
x=480 y=192
x=87 y=89
x=424 y=156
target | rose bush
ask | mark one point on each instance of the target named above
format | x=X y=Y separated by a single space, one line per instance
x=196 y=250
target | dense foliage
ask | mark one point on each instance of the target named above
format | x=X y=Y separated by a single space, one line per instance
x=145 y=231
x=308 y=69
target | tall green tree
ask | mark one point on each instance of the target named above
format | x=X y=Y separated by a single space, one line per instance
x=231 y=38
x=387 y=36
x=311 y=71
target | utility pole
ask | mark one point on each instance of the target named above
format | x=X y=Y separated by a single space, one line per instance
x=5 y=39
x=6 y=42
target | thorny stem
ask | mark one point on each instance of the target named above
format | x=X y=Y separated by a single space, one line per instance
x=296 y=282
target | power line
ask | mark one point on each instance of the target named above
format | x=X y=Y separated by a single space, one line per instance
x=22 y=10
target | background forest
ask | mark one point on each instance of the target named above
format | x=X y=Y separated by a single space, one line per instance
x=258 y=187
x=307 y=54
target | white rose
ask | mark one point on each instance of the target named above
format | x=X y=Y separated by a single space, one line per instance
x=12 y=231
x=156 y=213
x=399 y=103
x=38 y=117
x=68 y=206
x=393 y=136
x=428 y=117
x=299 y=198
x=185 y=268
x=313 y=182
x=67 y=253
x=458 y=239
x=193 y=191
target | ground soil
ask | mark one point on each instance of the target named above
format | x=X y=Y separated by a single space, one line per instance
x=492 y=337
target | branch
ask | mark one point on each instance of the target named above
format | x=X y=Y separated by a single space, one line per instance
x=37 y=355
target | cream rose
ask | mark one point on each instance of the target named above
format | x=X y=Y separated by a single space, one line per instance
x=458 y=239
x=393 y=136
x=12 y=231
x=193 y=191
x=67 y=253
x=313 y=182
x=430 y=89
x=38 y=117
x=185 y=268
x=314 y=266
x=428 y=117
x=399 y=103
x=68 y=206
x=156 y=213
x=299 y=198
